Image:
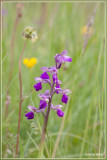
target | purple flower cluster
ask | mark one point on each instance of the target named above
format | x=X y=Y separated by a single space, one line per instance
x=46 y=98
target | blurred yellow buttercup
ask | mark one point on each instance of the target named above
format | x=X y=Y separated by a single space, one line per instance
x=30 y=62
x=84 y=30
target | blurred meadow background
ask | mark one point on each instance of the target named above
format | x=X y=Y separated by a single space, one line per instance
x=60 y=26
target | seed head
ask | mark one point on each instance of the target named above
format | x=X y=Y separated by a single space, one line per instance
x=30 y=33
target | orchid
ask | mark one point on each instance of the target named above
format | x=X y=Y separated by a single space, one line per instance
x=54 y=83
x=46 y=104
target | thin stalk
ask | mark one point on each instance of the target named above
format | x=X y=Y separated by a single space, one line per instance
x=21 y=98
x=46 y=121
x=13 y=152
x=40 y=128
x=53 y=14
x=13 y=44
x=60 y=132
x=43 y=14
x=8 y=100
x=11 y=63
x=89 y=25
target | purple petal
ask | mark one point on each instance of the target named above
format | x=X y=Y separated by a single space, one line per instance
x=29 y=115
x=40 y=110
x=38 y=86
x=57 y=90
x=54 y=78
x=42 y=104
x=60 y=113
x=64 y=91
x=56 y=107
x=44 y=69
x=64 y=98
x=68 y=59
x=47 y=92
x=31 y=108
x=49 y=69
x=60 y=58
x=44 y=75
x=64 y=52
x=44 y=96
x=47 y=81
x=59 y=82
x=38 y=79
x=57 y=87
x=59 y=65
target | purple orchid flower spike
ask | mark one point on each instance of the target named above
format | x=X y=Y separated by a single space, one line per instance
x=60 y=58
x=45 y=105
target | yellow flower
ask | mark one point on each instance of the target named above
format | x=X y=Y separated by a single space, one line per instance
x=84 y=30
x=25 y=61
x=30 y=62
